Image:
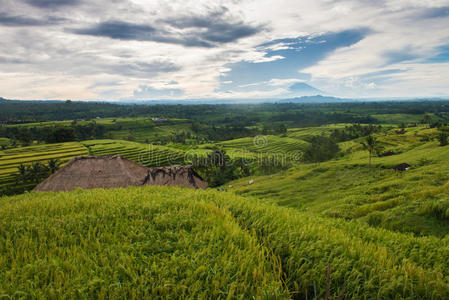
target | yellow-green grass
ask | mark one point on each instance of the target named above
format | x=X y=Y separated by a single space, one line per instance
x=400 y=118
x=139 y=243
x=165 y=242
x=301 y=133
x=143 y=131
x=265 y=143
x=347 y=188
x=4 y=141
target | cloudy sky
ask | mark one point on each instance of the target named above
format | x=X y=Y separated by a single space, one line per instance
x=149 y=49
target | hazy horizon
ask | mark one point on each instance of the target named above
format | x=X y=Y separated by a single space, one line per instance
x=134 y=50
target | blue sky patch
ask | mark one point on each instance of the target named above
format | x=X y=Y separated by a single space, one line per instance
x=298 y=53
x=442 y=56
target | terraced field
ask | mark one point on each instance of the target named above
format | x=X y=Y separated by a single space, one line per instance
x=255 y=147
x=147 y=155
x=4 y=141
x=410 y=201
x=301 y=133
x=10 y=159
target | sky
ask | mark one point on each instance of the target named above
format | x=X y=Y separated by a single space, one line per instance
x=230 y=49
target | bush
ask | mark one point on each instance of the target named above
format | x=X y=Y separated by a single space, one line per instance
x=443 y=138
x=321 y=148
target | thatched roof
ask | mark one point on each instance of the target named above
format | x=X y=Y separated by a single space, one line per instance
x=95 y=172
x=179 y=176
x=114 y=171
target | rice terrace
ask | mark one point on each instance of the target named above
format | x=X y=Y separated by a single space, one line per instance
x=224 y=149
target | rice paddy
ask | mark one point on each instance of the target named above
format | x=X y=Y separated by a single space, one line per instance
x=10 y=159
x=384 y=233
x=165 y=242
x=145 y=154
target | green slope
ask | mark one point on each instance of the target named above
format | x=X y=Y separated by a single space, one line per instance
x=171 y=242
x=129 y=244
x=410 y=201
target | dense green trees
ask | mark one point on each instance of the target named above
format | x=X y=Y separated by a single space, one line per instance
x=354 y=131
x=443 y=135
x=321 y=148
x=217 y=167
x=293 y=114
x=53 y=134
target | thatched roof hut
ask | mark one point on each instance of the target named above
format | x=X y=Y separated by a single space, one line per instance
x=179 y=176
x=114 y=171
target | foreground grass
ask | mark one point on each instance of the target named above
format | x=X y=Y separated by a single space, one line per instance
x=134 y=244
x=172 y=242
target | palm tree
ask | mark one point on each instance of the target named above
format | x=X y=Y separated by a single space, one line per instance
x=23 y=174
x=371 y=145
x=427 y=119
x=36 y=171
x=53 y=165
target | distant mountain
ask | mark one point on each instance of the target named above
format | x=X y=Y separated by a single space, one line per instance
x=303 y=89
x=301 y=99
x=316 y=99
x=2 y=99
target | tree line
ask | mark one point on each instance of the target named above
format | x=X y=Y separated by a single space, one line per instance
x=52 y=134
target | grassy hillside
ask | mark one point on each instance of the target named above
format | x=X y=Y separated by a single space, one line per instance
x=132 y=244
x=172 y=242
x=266 y=143
x=410 y=201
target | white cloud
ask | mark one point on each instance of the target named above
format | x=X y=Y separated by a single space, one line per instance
x=48 y=61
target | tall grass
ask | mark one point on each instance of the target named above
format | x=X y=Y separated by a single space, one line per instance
x=133 y=244
x=162 y=242
x=367 y=263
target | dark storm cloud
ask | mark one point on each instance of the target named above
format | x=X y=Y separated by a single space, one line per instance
x=204 y=31
x=22 y=21
x=139 y=32
x=50 y=4
x=120 y=30
x=217 y=30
